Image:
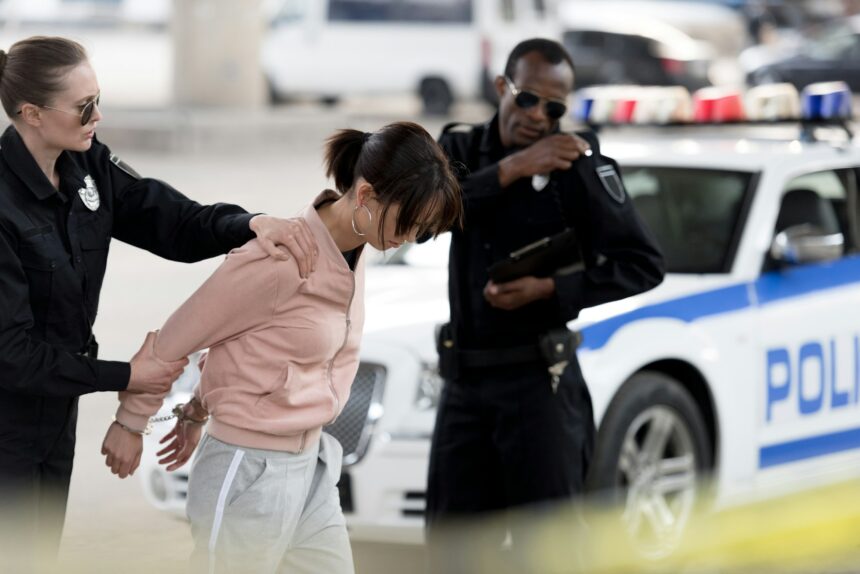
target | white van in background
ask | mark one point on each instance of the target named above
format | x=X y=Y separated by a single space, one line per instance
x=442 y=50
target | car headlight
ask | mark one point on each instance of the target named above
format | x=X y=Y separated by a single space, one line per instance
x=429 y=387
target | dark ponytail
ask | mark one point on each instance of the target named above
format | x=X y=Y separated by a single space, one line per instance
x=406 y=167
x=34 y=69
x=343 y=150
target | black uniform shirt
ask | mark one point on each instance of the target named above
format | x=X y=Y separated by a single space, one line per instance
x=53 y=252
x=621 y=256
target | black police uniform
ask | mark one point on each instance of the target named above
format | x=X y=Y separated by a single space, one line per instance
x=503 y=436
x=53 y=252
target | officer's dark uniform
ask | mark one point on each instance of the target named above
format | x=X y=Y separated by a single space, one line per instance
x=503 y=437
x=53 y=251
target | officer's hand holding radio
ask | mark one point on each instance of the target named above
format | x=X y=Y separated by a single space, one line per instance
x=151 y=375
x=553 y=152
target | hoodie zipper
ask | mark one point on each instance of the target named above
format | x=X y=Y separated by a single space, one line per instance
x=342 y=346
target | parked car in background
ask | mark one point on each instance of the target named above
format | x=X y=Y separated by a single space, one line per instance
x=833 y=54
x=654 y=42
x=443 y=51
x=620 y=51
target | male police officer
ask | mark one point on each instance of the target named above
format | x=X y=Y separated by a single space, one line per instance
x=508 y=433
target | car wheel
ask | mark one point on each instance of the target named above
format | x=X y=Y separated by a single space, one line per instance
x=436 y=96
x=272 y=93
x=652 y=453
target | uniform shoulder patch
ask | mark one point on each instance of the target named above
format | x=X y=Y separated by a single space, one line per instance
x=115 y=159
x=611 y=182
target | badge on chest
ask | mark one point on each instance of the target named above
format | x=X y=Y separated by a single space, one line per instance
x=90 y=194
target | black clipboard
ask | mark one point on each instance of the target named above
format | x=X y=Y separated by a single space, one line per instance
x=540 y=259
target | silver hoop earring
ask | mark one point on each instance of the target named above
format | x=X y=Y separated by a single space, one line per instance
x=369 y=217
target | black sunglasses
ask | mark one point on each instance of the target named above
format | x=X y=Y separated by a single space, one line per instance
x=554 y=109
x=86 y=113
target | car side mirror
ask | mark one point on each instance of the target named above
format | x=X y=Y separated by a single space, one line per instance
x=806 y=244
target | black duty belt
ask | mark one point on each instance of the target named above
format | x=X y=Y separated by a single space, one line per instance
x=477 y=358
x=553 y=347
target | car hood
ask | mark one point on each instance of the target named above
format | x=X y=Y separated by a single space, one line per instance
x=402 y=296
x=404 y=304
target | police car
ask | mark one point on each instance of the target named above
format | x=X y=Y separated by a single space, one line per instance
x=743 y=366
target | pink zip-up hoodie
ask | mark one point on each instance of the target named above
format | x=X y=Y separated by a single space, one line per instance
x=283 y=351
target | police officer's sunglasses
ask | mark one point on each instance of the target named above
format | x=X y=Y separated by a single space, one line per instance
x=86 y=110
x=554 y=109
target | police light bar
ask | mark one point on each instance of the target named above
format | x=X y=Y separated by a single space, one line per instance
x=718 y=105
x=773 y=102
x=826 y=101
x=664 y=105
x=819 y=105
x=633 y=104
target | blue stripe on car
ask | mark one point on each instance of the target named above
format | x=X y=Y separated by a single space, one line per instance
x=770 y=288
x=801 y=449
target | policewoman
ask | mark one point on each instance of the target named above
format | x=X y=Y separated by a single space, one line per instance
x=63 y=197
x=509 y=433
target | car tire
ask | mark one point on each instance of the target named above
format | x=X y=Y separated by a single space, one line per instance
x=653 y=450
x=275 y=98
x=436 y=96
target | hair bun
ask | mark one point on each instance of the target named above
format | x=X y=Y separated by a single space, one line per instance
x=3 y=58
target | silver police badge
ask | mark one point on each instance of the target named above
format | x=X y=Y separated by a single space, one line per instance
x=611 y=182
x=90 y=194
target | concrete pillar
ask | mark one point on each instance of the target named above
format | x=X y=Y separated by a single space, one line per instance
x=217 y=53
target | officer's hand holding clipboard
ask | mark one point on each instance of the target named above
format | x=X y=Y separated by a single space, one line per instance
x=525 y=275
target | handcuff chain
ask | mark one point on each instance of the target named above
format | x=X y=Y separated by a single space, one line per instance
x=176 y=413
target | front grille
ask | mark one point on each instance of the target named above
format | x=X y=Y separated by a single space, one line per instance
x=414 y=504
x=354 y=426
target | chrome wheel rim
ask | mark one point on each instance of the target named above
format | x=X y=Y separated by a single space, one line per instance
x=657 y=472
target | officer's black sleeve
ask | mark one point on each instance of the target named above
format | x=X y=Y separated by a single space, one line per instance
x=479 y=186
x=152 y=215
x=622 y=258
x=31 y=366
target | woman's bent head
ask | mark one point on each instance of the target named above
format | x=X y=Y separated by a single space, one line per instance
x=48 y=87
x=400 y=182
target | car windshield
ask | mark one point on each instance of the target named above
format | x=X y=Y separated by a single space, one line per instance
x=694 y=213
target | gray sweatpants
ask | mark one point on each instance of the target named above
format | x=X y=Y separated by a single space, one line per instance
x=260 y=511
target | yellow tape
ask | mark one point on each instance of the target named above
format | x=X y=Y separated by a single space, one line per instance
x=816 y=530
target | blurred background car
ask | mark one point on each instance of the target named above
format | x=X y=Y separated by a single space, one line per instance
x=442 y=51
x=625 y=51
x=676 y=42
x=833 y=53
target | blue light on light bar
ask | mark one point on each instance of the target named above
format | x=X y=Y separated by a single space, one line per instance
x=826 y=101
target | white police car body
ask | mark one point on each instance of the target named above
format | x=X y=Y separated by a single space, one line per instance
x=737 y=366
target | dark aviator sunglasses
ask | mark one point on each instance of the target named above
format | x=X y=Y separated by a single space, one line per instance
x=86 y=112
x=524 y=99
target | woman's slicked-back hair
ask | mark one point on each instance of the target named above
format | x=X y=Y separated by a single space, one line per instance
x=406 y=167
x=34 y=69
